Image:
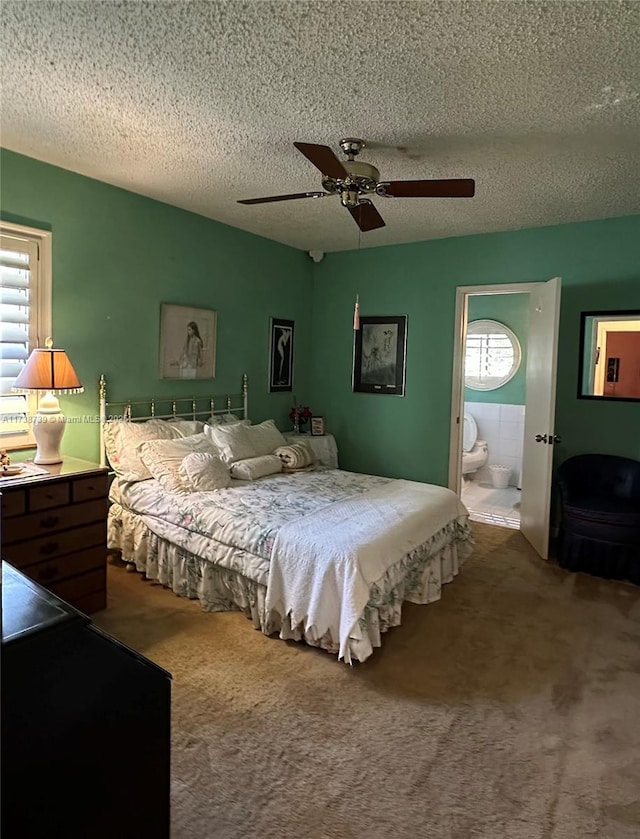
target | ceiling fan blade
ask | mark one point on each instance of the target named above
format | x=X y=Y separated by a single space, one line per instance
x=283 y=197
x=324 y=159
x=453 y=188
x=366 y=216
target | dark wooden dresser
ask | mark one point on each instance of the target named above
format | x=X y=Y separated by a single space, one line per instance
x=54 y=528
x=85 y=725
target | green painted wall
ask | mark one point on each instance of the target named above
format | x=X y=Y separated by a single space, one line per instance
x=513 y=311
x=118 y=255
x=599 y=263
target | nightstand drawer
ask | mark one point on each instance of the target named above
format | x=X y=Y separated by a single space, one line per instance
x=24 y=554
x=51 y=521
x=14 y=503
x=55 y=570
x=49 y=495
x=85 y=489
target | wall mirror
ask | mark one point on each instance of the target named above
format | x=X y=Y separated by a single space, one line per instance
x=610 y=355
x=492 y=355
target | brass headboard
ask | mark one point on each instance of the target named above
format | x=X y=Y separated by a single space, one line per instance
x=168 y=407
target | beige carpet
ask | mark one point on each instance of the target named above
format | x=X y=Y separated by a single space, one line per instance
x=510 y=709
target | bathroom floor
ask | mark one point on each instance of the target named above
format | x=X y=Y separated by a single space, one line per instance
x=490 y=505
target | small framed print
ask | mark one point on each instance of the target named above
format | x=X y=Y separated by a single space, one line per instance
x=317 y=426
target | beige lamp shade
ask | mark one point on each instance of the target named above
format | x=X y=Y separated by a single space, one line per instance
x=49 y=370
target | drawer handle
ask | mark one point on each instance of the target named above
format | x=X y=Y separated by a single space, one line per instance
x=50 y=521
x=49 y=548
x=48 y=573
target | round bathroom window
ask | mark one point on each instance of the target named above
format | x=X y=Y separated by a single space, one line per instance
x=492 y=355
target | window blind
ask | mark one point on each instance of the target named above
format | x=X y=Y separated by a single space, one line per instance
x=18 y=328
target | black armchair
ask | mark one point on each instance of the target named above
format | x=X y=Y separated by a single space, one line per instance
x=600 y=505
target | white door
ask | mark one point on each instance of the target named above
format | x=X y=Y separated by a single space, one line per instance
x=539 y=430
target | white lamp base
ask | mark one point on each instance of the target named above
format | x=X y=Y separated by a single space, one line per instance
x=48 y=429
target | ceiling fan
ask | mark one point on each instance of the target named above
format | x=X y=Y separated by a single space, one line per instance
x=353 y=180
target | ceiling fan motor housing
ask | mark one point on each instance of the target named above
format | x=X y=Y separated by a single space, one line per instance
x=363 y=178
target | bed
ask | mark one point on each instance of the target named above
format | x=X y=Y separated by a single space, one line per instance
x=317 y=555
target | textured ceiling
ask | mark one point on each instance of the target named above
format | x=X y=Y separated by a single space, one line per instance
x=198 y=103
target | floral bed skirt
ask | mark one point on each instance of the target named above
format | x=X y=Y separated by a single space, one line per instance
x=418 y=578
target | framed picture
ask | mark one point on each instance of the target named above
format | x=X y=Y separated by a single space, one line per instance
x=317 y=426
x=187 y=342
x=379 y=355
x=281 y=355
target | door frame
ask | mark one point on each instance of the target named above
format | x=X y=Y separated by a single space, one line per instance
x=457 y=387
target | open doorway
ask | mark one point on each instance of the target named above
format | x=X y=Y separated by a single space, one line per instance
x=527 y=459
x=494 y=405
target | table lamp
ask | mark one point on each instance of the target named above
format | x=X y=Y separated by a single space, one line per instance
x=50 y=371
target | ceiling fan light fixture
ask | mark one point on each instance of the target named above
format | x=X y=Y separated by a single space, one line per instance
x=349 y=197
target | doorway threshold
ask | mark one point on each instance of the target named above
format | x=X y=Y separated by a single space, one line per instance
x=489 y=505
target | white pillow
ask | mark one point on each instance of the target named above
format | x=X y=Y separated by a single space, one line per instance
x=240 y=442
x=186 y=428
x=226 y=419
x=203 y=472
x=210 y=426
x=121 y=439
x=256 y=467
x=163 y=458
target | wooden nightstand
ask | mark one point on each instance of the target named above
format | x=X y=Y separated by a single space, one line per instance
x=54 y=530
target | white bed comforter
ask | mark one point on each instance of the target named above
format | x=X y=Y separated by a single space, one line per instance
x=323 y=564
x=235 y=528
x=317 y=541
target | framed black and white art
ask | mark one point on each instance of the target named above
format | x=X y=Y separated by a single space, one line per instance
x=281 y=355
x=379 y=355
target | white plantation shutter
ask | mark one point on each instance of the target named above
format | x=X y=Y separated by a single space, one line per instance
x=25 y=308
x=492 y=355
x=488 y=356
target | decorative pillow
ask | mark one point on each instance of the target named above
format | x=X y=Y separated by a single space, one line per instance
x=203 y=472
x=296 y=455
x=256 y=467
x=240 y=442
x=121 y=439
x=163 y=458
x=186 y=428
x=110 y=430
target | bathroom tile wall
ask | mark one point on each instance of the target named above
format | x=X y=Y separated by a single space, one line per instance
x=502 y=426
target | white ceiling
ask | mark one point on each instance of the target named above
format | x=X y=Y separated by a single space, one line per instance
x=198 y=103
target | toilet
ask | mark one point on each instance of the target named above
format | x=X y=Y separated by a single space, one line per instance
x=474 y=451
